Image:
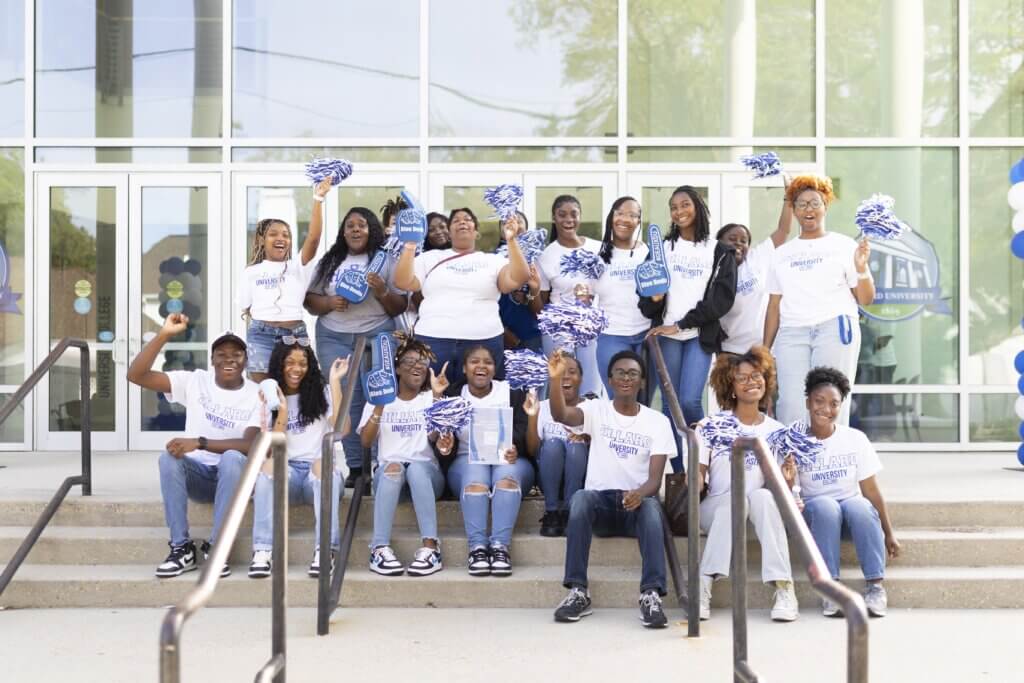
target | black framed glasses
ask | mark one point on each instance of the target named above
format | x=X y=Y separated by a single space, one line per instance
x=292 y=340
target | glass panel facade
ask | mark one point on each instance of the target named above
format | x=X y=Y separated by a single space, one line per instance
x=13 y=352
x=527 y=155
x=128 y=68
x=12 y=69
x=128 y=155
x=997 y=66
x=906 y=418
x=749 y=65
x=715 y=155
x=376 y=155
x=993 y=418
x=591 y=201
x=293 y=205
x=13 y=429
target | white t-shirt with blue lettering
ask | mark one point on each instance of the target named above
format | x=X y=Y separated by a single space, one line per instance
x=814 y=278
x=273 y=291
x=690 y=265
x=402 y=434
x=547 y=428
x=549 y=267
x=719 y=462
x=847 y=459
x=616 y=290
x=305 y=441
x=211 y=411
x=621 y=446
x=744 y=323
x=460 y=297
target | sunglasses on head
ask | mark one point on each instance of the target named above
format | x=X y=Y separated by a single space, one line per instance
x=292 y=340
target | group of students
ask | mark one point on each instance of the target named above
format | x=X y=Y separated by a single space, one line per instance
x=596 y=450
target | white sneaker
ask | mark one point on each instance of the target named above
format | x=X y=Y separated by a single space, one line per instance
x=785 y=607
x=705 y=596
x=876 y=600
x=384 y=562
x=314 y=565
x=425 y=562
x=261 y=565
x=830 y=609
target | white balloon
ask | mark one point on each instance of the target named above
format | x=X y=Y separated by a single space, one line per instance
x=1018 y=221
x=1019 y=407
x=1016 y=196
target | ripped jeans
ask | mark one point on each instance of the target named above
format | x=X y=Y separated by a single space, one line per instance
x=504 y=486
x=303 y=487
x=425 y=485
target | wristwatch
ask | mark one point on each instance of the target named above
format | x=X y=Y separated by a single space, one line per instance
x=203 y=443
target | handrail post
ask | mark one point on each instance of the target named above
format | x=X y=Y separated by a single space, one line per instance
x=85 y=413
x=738 y=567
x=279 y=596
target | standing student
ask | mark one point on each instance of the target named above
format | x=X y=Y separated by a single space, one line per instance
x=340 y=322
x=559 y=288
x=816 y=283
x=308 y=410
x=389 y=214
x=437 y=232
x=222 y=417
x=407 y=463
x=629 y=444
x=273 y=286
x=519 y=308
x=622 y=251
x=461 y=287
x=742 y=386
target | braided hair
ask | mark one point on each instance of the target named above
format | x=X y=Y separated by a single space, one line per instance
x=410 y=344
x=607 y=242
x=701 y=222
x=391 y=208
x=339 y=250
x=312 y=388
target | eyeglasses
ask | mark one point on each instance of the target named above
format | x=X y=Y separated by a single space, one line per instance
x=410 y=363
x=752 y=378
x=292 y=340
x=813 y=204
x=625 y=374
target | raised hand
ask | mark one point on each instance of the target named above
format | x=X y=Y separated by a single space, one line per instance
x=663 y=330
x=533 y=282
x=323 y=187
x=510 y=229
x=439 y=382
x=175 y=324
x=860 y=257
x=556 y=364
x=789 y=472
x=511 y=455
x=377 y=284
x=445 y=443
x=339 y=368
x=531 y=406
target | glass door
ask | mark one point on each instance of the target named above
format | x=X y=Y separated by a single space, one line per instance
x=654 y=190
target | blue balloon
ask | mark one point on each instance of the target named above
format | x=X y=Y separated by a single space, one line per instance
x=1017 y=172
x=1020 y=385
x=1020 y=454
x=1017 y=245
x=1018 y=362
x=1021 y=431
x=175 y=306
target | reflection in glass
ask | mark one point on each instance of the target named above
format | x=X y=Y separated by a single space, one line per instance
x=593 y=207
x=12 y=268
x=755 y=207
x=13 y=429
x=749 y=65
x=535 y=67
x=83 y=300
x=473 y=197
x=175 y=275
x=715 y=155
x=996 y=62
x=907 y=418
x=654 y=201
x=124 y=68
x=127 y=155
x=891 y=68
x=508 y=155
x=996 y=306
x=293 y=205
x=993 y=418
x=325 y=69
x=374 y=155
x=924 y=183
x=12 y=69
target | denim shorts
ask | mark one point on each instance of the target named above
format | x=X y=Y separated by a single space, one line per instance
x=260 y=339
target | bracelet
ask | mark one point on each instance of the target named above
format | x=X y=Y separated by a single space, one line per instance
x=317 y=198
x=866 y=275
x=375 y=419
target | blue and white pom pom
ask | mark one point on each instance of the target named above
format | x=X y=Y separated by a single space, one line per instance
x=448 y=415
x=394 y=248
x=581 y=262
x=505 y=199
x=876 y=219
x=335 y=169
x=795 y=440
x=525 y=369
x=531 y=243
x=720 y=430
x=571 y=325
x=763 y=165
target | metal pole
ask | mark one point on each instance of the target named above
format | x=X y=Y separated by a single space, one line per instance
x=85 y=412
x=693 y=537
x=739 y=564
x=280 y=558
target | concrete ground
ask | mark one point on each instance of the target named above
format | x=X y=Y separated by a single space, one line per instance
x=227 y=645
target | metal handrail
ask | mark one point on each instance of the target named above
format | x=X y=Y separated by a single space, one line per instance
x=329 y=582
x=173 y=624
x=85 y=417
x=821 y=580
x=691 y=601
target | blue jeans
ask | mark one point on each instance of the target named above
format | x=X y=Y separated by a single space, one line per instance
x=610 y=344
x=330 y=346
x=587 y=356
x=601 y=513
x=184 y=478
x=260 y=339
x=562 y=467
x=856 y=518
x=687 y=364
x=451 y=351
x=425 y=485
x=797 y=350
x=504 y=502
x=303 y=487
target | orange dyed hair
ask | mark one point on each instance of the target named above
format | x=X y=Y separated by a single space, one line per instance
x=724 y=374
x=821 y=184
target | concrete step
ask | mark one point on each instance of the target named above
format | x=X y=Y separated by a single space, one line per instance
x=971 y=547
x=529 y=587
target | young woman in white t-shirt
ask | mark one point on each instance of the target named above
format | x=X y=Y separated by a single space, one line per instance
x=815 y=284
x=742 y=385
x=622 y=251
x=559 y=288
x=840 y=490
x=407 y=467
x=308 y=410
x=461 y=287
x=273 y=286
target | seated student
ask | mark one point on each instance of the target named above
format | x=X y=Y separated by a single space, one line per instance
x=742 y=386
x=308 y=410
x=840 y=491
x=222 y=417
x=629 y=445
x=561 y=452
x=407 y=465
x=481 y=486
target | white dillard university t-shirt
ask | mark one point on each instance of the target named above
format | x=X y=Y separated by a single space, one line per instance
x=549 y=267
x=691 y=265
x=719 y=461
x=273 y=291
x=306 y=440
x=847 y=459
x=621 y=446
x=402 y=434
x=616 y=290
x=744 y=323
x=814 y=278
x=460 y=296
x=214 y=412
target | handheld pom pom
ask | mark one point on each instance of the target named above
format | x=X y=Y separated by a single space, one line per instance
x=448 y=415
x=795 y=440
x=763 y=165
x=876 y=219
x=582 y=262
x=719 y=430
x=335 y=169
x=525 y=369
x=572 y=325
x=504 y=199
x=532 y=244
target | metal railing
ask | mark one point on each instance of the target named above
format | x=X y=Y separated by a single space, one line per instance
x=851 y=603
x=333 y=574
x=691 y=600
x=173 y=624
x=85 y=418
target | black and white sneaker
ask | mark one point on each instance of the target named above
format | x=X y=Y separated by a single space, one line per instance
x=425 y=562
x=550 y=523
x=574 y=606
x=384 y=562
x=651 y=614
x=262 y=562
x=479 y=562
x=225 y=571
x=314 y=565
x=501 y=561
x=181 y=559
